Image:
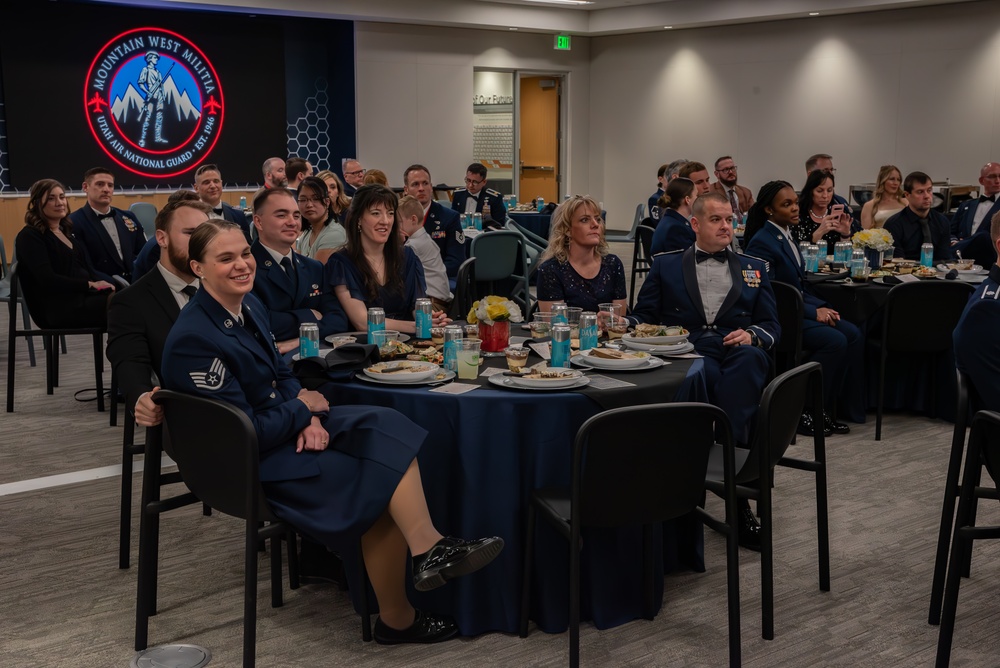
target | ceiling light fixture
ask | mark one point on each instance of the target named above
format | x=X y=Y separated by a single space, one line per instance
x=813 y=13
x=563 y=2
x=668 y=27
x=511 y=28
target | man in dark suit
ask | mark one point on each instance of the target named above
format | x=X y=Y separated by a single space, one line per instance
x=140 y=317
x=289 y=284
x=111 y=237
x=726 y=303
x=970 y=227
x=740 y=198
x=208 y=185
x=918 y=224
x=475 y=197
x=444 y=225
x=977 y=348
x=354 y=175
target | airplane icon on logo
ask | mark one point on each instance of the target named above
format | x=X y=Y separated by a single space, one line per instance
x=96 y=102
x=212 y=106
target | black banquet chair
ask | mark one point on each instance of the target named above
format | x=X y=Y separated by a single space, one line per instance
x=781 y=407
x=907 y=329
x=791 y=311
x=50 y=338
x=642 y=257
x=642 y=480
x=215 y=448
x=984 y=450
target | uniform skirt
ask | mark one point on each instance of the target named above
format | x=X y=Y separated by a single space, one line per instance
x=370 y=449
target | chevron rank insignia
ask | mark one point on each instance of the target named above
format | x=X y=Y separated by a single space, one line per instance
x=212 y=379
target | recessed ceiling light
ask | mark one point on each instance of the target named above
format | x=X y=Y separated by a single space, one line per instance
x=563 y=2
x=668 y=27
x=813 y=13
x=511 y=28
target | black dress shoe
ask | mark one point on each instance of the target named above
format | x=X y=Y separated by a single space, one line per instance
x=833 y=427
x=317 y=565
x=424 y=629
x=749 y=531
x=806 y=426
x=451 y=558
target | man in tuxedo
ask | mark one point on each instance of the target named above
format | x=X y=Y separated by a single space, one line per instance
x=140 y=317
x=918 y=224
x=112 y=237
x=726 y=303
x=274 y=173
x=977 y=348
x=208 y=185
x=970 y=228
x=444 y=225
x=475 y=197
x=740 y=198
x=354 y=175
x=289 y=284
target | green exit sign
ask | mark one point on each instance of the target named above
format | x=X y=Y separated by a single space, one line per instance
x=562 y=43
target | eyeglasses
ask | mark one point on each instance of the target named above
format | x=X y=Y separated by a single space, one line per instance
x=311 y=200
x=470 y=182
x=355 y=173
x=727 y=169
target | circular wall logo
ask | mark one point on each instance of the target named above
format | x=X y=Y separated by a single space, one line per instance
x=153 y=102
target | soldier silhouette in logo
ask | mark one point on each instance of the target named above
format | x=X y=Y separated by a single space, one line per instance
x=151 y=83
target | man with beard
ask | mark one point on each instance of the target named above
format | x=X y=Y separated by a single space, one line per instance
x=140 y=317
x=740 y=197
x=274 y=173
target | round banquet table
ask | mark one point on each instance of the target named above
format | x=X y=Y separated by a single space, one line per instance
x=486 y=451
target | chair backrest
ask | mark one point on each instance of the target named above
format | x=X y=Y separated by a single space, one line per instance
x=497 y=254
x=215 y=447
x=985 y=435
x=3 y=258
x=643 y=464
x=781 y=406
x=791 y=311
x=644 y=235
x=530 y=237
x=465 y=288
x=146 y=213
x=921 y=317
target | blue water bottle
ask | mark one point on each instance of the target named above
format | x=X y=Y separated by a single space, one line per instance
x=560 y=346
x=243 y=203
x=927 y=255
x=376 y=321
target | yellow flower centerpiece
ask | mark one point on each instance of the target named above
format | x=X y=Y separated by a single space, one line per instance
x=493 y=315
x=874 y=242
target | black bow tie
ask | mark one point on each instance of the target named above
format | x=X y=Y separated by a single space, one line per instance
x=701 y=256
x=218 y=211
x=987 y=198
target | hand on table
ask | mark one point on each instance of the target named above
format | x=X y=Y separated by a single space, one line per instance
x=737 y=337
x=147 y=412
x=314 y=437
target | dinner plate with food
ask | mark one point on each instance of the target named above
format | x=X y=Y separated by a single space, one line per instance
x=541 y=378
x=402 y=371
x=610 y=359
x=657 y=335
x=963 y=267
x=672 y=349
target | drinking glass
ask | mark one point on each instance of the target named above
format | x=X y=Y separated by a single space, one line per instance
x=605 y=310
x=541 y=325
x=468 y=358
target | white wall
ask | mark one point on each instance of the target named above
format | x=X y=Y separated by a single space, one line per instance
x=917 y=88
x=414 y=95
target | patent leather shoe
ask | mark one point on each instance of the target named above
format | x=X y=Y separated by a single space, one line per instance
x=749 y=530
x=831 y=426
x=451 y=558
x=806 y=425
x=424 y=630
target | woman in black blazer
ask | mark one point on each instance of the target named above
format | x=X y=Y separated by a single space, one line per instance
x=55 y=275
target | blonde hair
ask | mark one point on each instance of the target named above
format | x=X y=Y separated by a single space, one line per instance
x=409 y=206
x=562 y=223
x=883 y=175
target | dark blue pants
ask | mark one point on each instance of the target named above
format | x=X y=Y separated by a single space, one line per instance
x=836 y=349
x=735 y=376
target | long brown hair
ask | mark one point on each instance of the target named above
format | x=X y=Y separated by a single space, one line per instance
x=36 y=200
x=883 y=174
x=364 y=199
x=341 y=201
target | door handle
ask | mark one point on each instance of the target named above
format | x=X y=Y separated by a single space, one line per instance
x=540 y=168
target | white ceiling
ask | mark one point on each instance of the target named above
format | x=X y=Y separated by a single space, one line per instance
x=604 y=17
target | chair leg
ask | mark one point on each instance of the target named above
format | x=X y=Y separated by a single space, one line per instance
x=822 y=506
x=574 y=601
x=250 y=595
x=733 y=582
x=125 y=514
x=529 y=548
x=366 y=618
x=49 y=362
x=206 y=510
x=647 y=572
x=11 y=363
x=148 y=543
x=766 y=562
x=99 y=370
x=977 y=474
x=114 y=399
x=54 y=352
x=292 y=541
x=62 y=343
x=951 y=491
x=881 y=392
x=276 y=590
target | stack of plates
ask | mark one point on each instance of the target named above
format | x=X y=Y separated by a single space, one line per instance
x=416 y=372
x=643 y=362
x=675 y=347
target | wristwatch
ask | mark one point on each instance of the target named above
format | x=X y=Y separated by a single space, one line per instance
x=754 y=339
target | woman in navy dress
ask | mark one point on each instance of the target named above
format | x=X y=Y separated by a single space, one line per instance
x=53 y=269
x=836 y=344
x=338 y=475
x=576 y=267
x=674 y=232
x=374 y=269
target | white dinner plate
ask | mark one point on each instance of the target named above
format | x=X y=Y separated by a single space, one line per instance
x=567 y=378
x=606 y=363
x=504 y=381
x=427 y=370
x=675 y=349
x=656 y=340
x=331 y=339
x=648 y=363
x=362 y=337
x=444 y=374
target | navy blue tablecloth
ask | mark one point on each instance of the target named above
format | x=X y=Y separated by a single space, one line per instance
x=485 y=452
x=537 y=223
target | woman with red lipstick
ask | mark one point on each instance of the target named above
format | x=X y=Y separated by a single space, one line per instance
x=55 y=275
x=374 y=269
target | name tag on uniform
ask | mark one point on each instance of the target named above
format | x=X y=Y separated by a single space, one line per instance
x=751 y=277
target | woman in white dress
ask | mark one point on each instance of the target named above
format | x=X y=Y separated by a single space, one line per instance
x=888 y=199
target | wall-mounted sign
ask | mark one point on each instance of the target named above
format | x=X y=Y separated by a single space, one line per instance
x=562 y=43
x=153 y=102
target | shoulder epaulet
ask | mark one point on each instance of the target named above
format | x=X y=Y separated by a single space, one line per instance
x=752 y=257
x=459 y=190
x=495 y=193
x=673 y=252
x=993 y=294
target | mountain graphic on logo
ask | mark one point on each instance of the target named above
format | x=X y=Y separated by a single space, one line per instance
x=175 y=104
